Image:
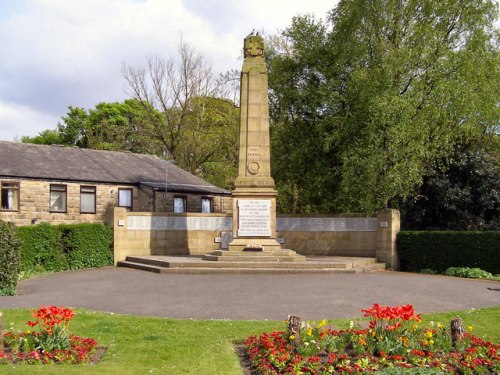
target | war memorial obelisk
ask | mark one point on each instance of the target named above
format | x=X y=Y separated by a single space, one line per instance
x=254 y=197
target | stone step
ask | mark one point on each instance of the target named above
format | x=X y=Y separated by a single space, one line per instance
x=193 y=265
x=210 y=270
x=273 y=262
x=256 y=258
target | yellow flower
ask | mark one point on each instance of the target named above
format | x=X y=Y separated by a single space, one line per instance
x=429 y=334
x=309 y=331
x=415 y=327
x=322 y=323
x=469 y=328
x=431 y=342
x=440 y=326
x=292 y=337
x=28 y=332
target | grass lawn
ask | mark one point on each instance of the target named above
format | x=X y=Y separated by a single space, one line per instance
x=141 y=345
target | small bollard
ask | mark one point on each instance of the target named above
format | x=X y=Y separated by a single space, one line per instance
x=456 y=330
x=294 y=325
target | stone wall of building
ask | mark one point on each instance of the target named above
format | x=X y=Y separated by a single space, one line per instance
x=34 y=197
x=196 y=234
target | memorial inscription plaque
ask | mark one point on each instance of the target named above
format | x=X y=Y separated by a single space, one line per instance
x=254 y=217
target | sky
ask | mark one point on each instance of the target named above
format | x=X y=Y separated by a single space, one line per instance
x=60 y=53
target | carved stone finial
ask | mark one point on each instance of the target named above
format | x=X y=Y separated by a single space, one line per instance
x=253 y=46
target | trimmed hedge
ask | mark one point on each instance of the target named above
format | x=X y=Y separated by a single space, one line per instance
x=87 y=245
x=41 y=248
x=10 y=254
x=57 y=248
x=440 y=250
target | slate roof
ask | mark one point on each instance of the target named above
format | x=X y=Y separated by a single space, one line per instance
x=54 y=162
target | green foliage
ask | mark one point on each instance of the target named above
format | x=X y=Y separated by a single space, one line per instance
x=366 y=104
x=41 y=248
x=87 y=245
x=109 y=126
x=464 y=195
x=440 y=250
x=472 y=273
x=9 y=258
x=57 y=248
x=46 y=137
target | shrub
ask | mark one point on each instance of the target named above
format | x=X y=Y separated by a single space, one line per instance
x=87 y=245
x=41 y=248
x=10 y=255
x=472 y=273
x=440 y=250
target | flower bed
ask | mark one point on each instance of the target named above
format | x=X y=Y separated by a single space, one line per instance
x=51 y=343
x=395 y=338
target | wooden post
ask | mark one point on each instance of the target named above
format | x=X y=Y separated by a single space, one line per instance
x=457 y=330
x=294 y=325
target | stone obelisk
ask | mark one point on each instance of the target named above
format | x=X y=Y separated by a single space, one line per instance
x=254 y=197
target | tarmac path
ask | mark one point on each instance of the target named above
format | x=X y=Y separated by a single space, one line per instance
x=246 y=297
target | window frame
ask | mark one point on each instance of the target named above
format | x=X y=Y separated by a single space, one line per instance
x=65 y=190
x=184 y=203
x=131 y=190
x=13 y=185
x=211 y=200
x=94 y=193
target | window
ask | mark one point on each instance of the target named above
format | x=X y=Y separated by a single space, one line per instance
x=58 y=195
x=10 y=196
x=87 y=199
x=207 y=205
x=179 y=204
x=125 y=198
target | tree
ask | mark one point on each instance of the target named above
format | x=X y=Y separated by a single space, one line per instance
x=45 y=137
x=109 y=126
x=465 y=195
x=186 y=112
x=366 y=104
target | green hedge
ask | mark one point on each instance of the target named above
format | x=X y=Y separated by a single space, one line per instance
x=439 y=250
x=87 y=245
x=41 y=248
x=56 y=248
x=9 y=259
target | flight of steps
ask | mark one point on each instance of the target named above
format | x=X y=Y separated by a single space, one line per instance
x=251 y=264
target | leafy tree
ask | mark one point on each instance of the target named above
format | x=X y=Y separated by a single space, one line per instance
x=45 y=137
x=366 y=104
x=109 y=126
x=463 y=196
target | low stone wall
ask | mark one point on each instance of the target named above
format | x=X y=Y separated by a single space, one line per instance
x=146 y=233
x=342 y=236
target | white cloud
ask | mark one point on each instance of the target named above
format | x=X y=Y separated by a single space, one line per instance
x=56 y=53
x=19 y=120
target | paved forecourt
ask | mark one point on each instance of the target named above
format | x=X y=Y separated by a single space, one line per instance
x=247 y=296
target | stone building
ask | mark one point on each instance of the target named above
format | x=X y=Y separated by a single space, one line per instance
x=59 y=184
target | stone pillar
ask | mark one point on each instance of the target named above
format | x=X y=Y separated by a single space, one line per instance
x=254 y=199
x=387 y=229
x=120 y=234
